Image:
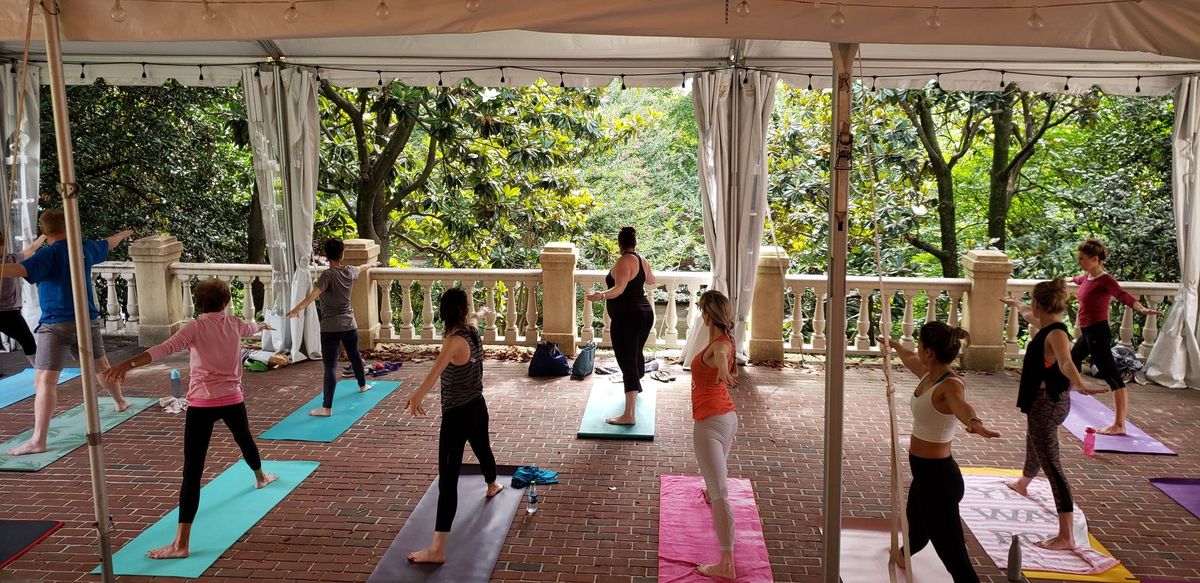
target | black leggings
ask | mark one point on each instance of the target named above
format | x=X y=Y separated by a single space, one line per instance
x=1041 y=446
x=630 y=329
x=933 y=497
x=1096 y=341
x=197 y=431
x=13 y=325
x=329 y=356
x=466 y=423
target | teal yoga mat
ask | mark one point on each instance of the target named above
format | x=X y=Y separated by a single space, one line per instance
x=67 y=431
x=608 y=400
x=19 y=387
x=229 y=506
x=349 y=405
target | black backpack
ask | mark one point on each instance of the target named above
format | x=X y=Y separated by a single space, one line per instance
x=585 y=363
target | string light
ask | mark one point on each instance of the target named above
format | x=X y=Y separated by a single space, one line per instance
x=1002 y=84
x=1035 y=21
x=201 y=67
x=206 y=13
x=380 y=82
x=743 y=8
x=682 y=80
x=472 y=5
x=745 y=77
x=838 y=18
x=622 y=82
x=562 y=81
x=382 y=11
x=501 y=75
x=933 y=21
x=83 y=71
x=937 y=82
x=810 y=81
x=143 y=70
x=118 y=13
x=440 y=79
x=1139 y=85
x=873 y=80
x=1067 y=84
x=291 y=15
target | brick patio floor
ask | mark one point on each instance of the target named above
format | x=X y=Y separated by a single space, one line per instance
x=339 y=522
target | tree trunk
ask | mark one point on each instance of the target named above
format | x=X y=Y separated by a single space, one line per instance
x=999 y=191
x=946 y=219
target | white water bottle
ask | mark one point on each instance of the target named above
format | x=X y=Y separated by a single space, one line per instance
x=531 y=507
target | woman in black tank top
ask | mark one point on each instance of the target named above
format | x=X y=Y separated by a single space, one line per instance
x=464 y=416
x=632 y=318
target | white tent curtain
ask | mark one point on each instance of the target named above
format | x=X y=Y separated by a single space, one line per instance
x=1175 y=359
x=21 y=168
x=733 y=111
x=284 y=135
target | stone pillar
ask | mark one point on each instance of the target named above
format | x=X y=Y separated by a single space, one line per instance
x=364 y=296
x=160 y=304
x=558 y=295
x=983 y=314
x=767 y=309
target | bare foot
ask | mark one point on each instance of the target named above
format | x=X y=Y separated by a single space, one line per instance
x=321 y=412
x=707 y=498
x=622 y=420
x=266 y=479
x=427 y=556
x=717 y=571
x=27 y=448
x=168 y=552
x=1018 y=487
x=1057 y=543
x=121 y=406
x=1113 y=429
x=364 y=388
x=898 y=557
x=494 y=488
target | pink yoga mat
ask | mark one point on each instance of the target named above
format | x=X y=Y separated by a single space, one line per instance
x=686 y=537
x=1087 y=411
x=994 y=513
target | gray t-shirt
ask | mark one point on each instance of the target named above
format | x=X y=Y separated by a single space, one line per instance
x=337 y=315
x=10 y=288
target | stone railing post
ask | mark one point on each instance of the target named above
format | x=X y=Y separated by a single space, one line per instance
x=159 y=301
x=983 y=314
x=767 y=309
x=558 y=295
x=364 y=296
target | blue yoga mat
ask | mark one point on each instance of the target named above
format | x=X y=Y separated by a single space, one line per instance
x=19 y=387
x=229 y=506
x=608 y=400
x=349 y=405
x=67 y=433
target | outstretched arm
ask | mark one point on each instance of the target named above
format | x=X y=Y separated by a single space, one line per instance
x=1022 y=308
x=908 y=357
x=1062 y=354
x=621 y=277
x=956 y=401
x=451 y=346
x=116 y=374
x=12 y=270
x=28 y=251
x=114 y=240
x=308 y=299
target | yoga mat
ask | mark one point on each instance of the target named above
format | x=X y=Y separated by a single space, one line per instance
x=18 y=536
x=994 y=513
x=229 y=506
x=1087 y=411
x=606 y=401
x=19 y=387
x=66 y=433
x=1185 y=491
x=686 y=537
x=476 y=536
x=349 y=405
x=866 y=544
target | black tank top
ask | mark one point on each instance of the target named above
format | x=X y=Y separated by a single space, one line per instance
x=1034 y=371
x=634 y=296
x=463 y=383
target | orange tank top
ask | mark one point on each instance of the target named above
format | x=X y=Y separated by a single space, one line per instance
x=710 y=396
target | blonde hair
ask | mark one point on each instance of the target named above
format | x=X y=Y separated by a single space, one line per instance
x=716 y=306
x=1051 y=296
x=53 y=222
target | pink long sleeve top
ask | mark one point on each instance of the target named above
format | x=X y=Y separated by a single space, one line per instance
x=214 y=340
x=1094 y=296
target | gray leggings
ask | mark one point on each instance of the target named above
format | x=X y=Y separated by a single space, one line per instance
x=712 y=438
x=1041 y=446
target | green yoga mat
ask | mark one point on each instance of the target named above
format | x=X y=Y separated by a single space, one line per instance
x=608 y=400
x=229 y=506
x=349 y=405
x=66 y=433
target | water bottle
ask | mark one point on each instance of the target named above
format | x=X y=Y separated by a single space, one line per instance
x=1089 y=442
x=175 y=390
x=1014 y=560
x=533 y=499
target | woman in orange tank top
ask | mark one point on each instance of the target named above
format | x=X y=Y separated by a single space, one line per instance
x=713 y=372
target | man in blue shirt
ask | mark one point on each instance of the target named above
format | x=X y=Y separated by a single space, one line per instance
x=49 y=268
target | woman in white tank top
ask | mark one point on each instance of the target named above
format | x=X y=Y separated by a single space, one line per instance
x=938 y=405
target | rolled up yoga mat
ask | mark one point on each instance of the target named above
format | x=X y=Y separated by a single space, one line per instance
x=18 y=536
x=67 y=430
x=1087 y=411
x=608 y=400
x=480 y=526
x=19 y=387
x=686 y=537
x=349 y=405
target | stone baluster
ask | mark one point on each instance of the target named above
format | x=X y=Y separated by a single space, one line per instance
x=426 y=309
x=587 y=333
x=387 y=330
x=531 y=317
x=133 y=319
x=489 y=289
x=1150 y=329
x=796 y=341
x=407 y=330
x=672 y=331
x=818 y=338
x=1126 y=338
x=907 y=340
x=862 y=340
x=185 y=284
x=510 y=314
x=112 y=321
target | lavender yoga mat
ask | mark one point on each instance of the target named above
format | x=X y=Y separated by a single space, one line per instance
x=1185 y=491
x=1086 y=412
x=686 y=537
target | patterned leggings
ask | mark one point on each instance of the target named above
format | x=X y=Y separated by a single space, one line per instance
x=1041 y=446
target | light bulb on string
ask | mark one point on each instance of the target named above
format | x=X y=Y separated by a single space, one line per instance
x=1002 y=84
x=622 y=82
x=683 y=80
x=743 y=8
x=934 y=21
x=562 y=81
x=201 y=67
x=472 y=5
x=118 y=13
x=206 y=13
x=83 y=72
x=380 y=82
x=1035 y=21
x=382 y=11
x=1067 y=84
x=143 y=70
x=501 y=75
x=874 y=79
x=291 y=15
x=838 y=18
x=810 y=81
x=440 y=84
x=1137 y=90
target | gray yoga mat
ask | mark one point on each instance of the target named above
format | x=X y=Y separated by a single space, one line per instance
x=476 y=537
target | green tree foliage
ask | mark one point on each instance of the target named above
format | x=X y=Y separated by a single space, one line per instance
x=155 y=159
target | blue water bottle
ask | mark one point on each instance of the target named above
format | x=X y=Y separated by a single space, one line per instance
x=175 y=390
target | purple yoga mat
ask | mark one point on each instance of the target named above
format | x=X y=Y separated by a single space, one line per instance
x=1163 y=581
x=1086 y=412
x=1185 y=491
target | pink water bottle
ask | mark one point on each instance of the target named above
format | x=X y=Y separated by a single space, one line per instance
x=1089 y=442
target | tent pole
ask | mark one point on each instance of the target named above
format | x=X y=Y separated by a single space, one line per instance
x=835 y=351
x=79 y=287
